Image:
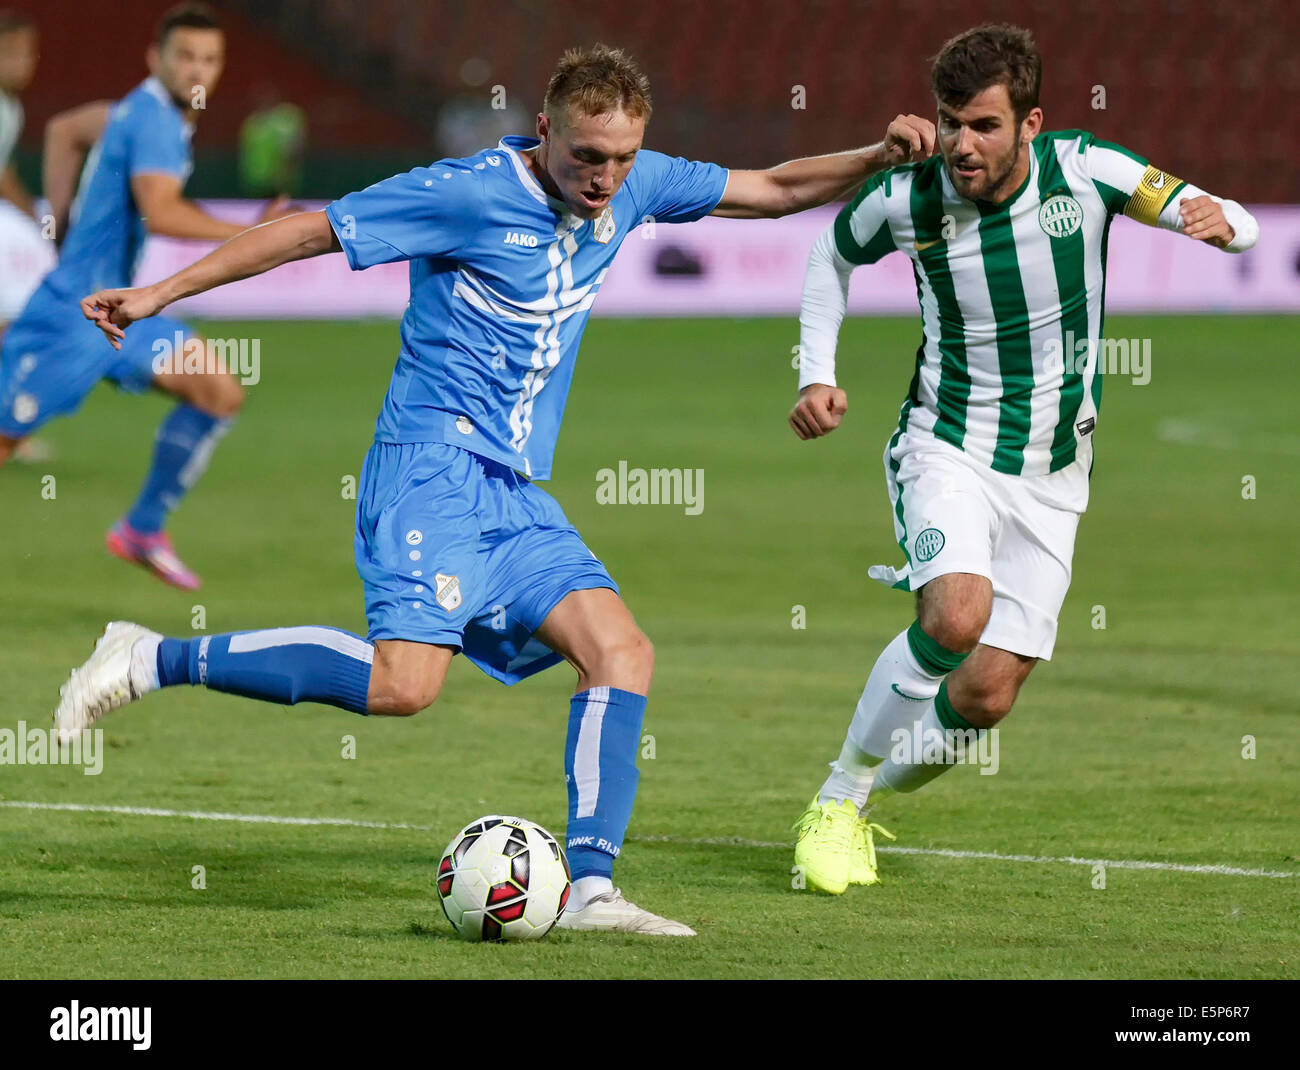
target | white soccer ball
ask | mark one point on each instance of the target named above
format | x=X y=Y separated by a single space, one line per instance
x=503 y=878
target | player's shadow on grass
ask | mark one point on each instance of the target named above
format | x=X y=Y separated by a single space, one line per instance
x=431 y=931
x=440 y=929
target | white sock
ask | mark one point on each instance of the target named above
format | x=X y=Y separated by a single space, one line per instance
x=144 y=663
x=926 y=739
x=897 y=690
x=585 y=889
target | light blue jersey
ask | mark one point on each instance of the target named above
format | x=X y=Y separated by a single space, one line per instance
x=52 y=356
x=502 y=281
x=146 y=133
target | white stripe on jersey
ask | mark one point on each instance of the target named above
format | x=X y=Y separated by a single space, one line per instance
x=1107 y=165
x=569 y=300
x=546 y=349
x=485 y=303
x=1043 y=304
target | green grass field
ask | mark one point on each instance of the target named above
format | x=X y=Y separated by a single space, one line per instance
x=1128 y=746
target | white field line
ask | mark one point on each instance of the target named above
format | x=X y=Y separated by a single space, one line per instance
x=1189 y=433
x=945 y=852
x=211 y=815
x=720 y=841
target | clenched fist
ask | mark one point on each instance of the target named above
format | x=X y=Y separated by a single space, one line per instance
x=1203 y=220
x=909 y=138
x=818 y=411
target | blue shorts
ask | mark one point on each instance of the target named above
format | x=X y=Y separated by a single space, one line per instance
x=52 y=357
x=455 y=549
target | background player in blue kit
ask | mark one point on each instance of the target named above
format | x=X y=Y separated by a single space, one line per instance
x=51 y=358
x=508 y=250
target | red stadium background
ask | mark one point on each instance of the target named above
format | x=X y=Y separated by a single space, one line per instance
x=1202 y=87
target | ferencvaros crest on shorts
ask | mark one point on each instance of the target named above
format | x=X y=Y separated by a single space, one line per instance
x=928 y=543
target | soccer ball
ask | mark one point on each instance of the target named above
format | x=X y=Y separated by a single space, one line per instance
x=503 y=878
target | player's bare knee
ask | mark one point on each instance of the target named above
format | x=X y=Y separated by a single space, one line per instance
x=955 y=628
x=633 y=656
x=407 y=697
x=223 y=398
x=627 y=657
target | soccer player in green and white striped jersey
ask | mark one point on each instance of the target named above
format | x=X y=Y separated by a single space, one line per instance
x=988 y=468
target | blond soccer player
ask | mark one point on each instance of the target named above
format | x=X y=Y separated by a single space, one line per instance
x=458 y=547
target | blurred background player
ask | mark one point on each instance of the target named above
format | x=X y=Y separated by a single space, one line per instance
x=140 y=158
x=19 y=54
x=988 y=470
x=272 y=141
x=25 y=253
x=457 y=548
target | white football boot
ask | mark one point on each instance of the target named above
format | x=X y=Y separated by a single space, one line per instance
x=111 y=677
x=610 y=912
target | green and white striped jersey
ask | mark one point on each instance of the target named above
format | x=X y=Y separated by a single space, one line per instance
x=1010 y=294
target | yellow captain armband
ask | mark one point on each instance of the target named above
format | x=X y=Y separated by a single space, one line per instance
x=1152 y=194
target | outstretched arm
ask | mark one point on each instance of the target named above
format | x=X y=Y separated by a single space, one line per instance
x=799 y=184
x=1143 y=192
x=251 y=252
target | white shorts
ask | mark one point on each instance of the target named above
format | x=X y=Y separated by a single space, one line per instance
x=952 y=514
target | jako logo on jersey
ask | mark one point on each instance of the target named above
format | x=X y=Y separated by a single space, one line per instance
x=928 y=543
x=513 y=237
x=1060 y=216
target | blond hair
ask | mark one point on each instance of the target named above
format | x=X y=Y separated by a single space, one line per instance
x=596 y=80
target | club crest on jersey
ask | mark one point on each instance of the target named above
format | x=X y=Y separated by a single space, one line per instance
x=514 y=237
x=448 y=591
x=928 y=544
x=1060 y=216
x=604 y=229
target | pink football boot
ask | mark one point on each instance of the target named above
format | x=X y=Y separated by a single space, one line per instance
x=153 y=552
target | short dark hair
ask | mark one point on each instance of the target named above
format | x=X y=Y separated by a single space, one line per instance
x=11 y=21
x=992 y=54
x=187 y=16
x=597 y=80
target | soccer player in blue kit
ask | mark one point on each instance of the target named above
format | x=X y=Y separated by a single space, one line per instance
x=139 y=160
x=508 y=249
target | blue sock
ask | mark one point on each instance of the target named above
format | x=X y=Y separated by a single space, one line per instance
x=181 y=451
x=600 y=769
x=284 y=665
